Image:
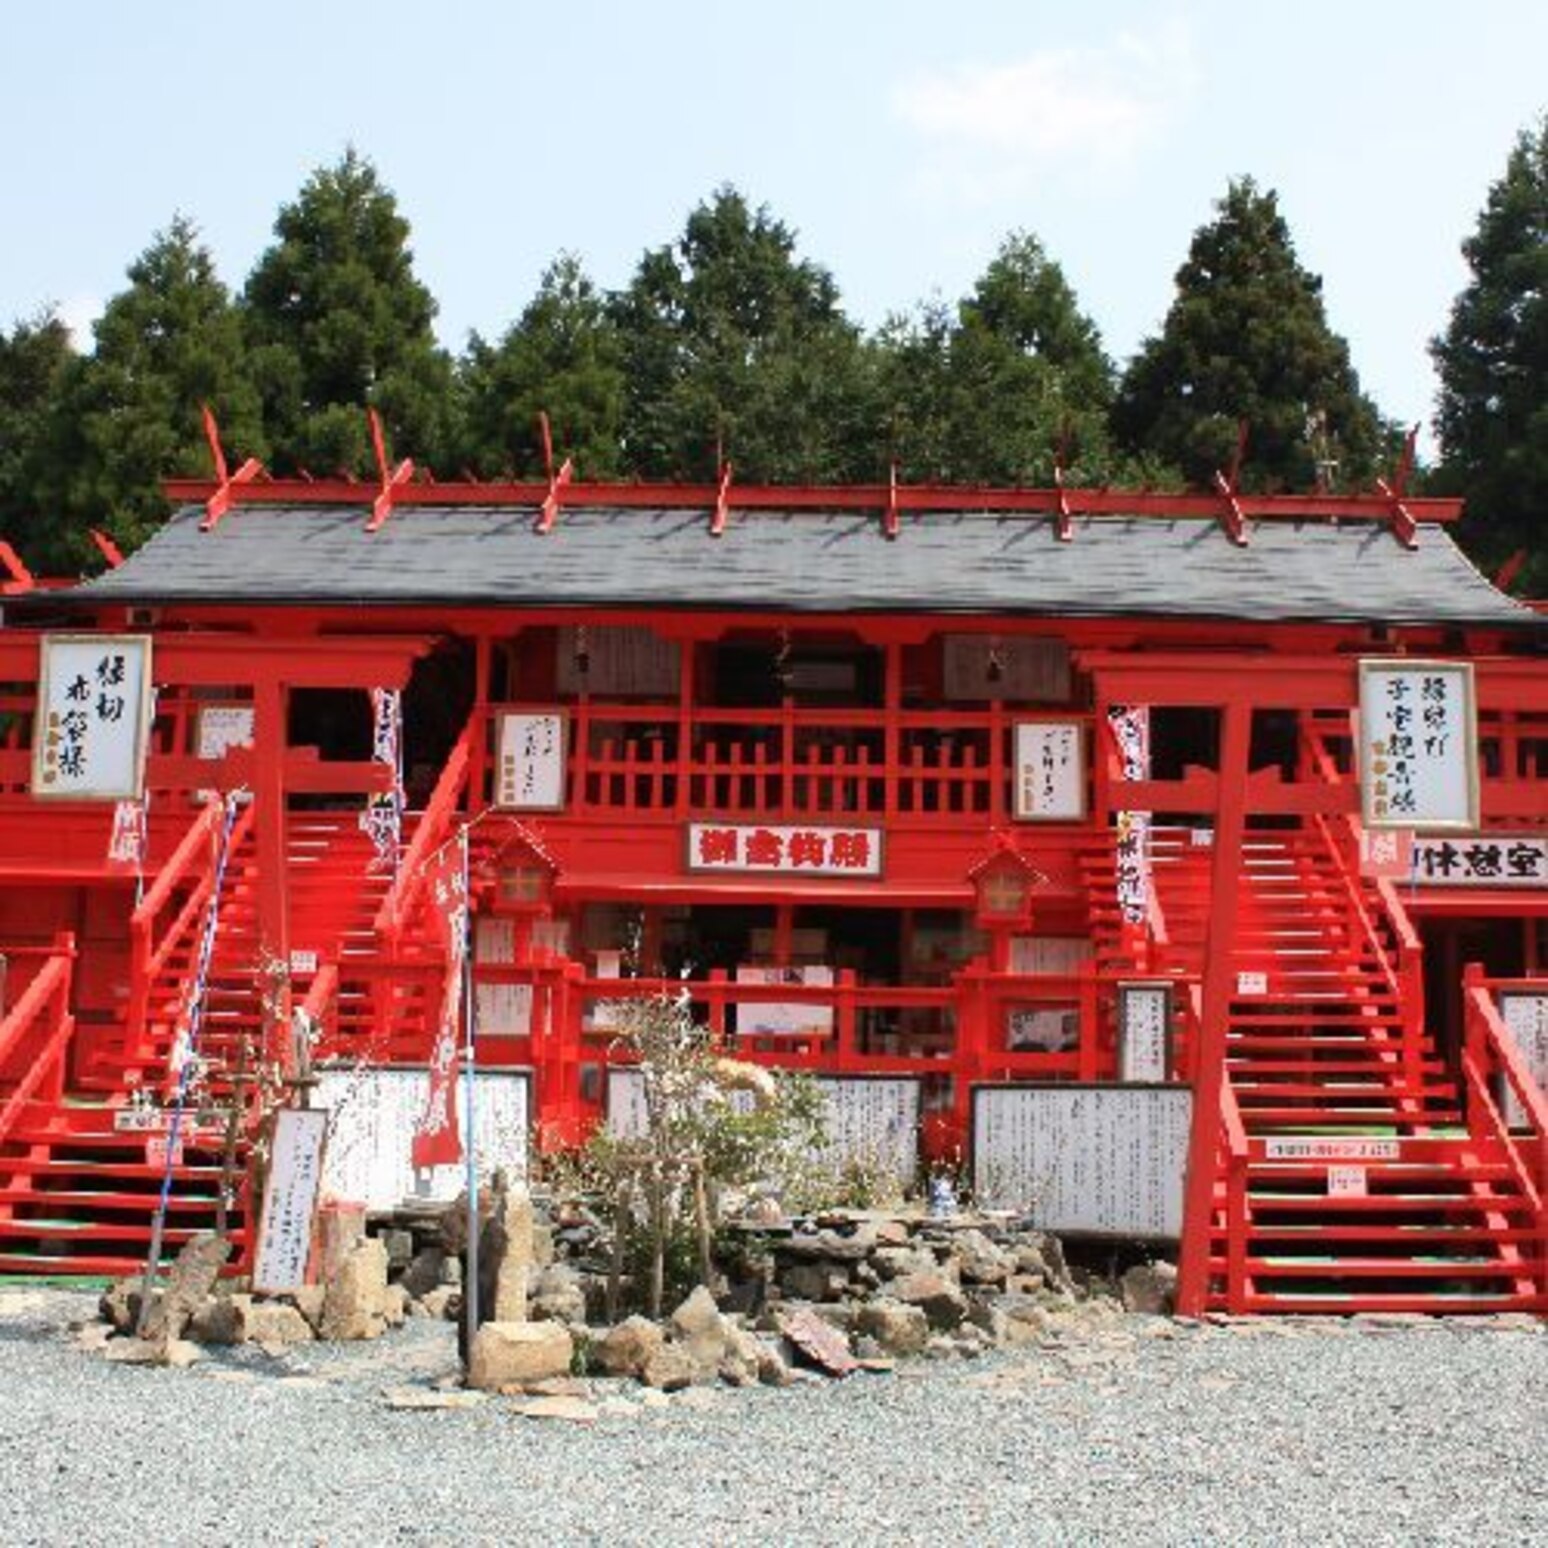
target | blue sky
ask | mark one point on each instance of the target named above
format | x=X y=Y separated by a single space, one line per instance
x=902 y=141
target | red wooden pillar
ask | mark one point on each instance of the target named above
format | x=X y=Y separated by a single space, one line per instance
x=1218 y=987
x=478 y=759
x=270 y=739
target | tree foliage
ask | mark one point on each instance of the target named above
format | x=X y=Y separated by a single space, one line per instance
x=34 y=358
x=1247 y=337
x=731 y=344
x=564 y=357
x=1493 y=361
x=167 y=344
x=999 y=390
x=337 y=319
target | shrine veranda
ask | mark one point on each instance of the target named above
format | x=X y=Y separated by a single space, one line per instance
x=1214 y=825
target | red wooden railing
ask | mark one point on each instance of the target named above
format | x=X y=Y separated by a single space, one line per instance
x=35 y=1036
x=170 y=913
x=786 y=761
x=435 y=826
x=1492 y=1066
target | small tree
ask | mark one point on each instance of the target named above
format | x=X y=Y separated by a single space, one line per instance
x=666 y=1183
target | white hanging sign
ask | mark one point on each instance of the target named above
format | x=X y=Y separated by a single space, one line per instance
x=1050 y=771
x=93 y=717
x=529 y=775
x=1144 y=1032
x=1130 y=724
x=1418 y=745
x=1346 y=1182
x=714 y=846
x=1310 y=1148
x=290 y=1199
x=1514 y=860
x=1095 y=1159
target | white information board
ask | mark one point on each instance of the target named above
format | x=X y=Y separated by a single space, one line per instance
x=869 y=1121
x=290 y=1199
x=374 y=1116
x=1526 y=1019
x=529 y=768
x=1050 y=771
x=790 y=1019
x=1144 y=1031
x=1418 y=744
x=1099 y=1160
x=93 y=717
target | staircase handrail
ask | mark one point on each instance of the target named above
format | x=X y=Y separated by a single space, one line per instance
x=1488 y=1045
x=434 y=828
x=196 y=849
x=322 y=995
x=49 y=992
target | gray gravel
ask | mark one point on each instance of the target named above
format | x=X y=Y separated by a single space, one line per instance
x=1140 y=1432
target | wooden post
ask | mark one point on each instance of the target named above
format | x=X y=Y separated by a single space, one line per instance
x=1219 y=987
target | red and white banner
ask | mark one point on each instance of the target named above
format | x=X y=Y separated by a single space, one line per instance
x=438 y=1140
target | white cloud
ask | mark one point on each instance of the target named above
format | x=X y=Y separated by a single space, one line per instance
x=78 y=313
x=988 y=129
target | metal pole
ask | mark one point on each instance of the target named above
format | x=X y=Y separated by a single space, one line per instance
x=470 y=1288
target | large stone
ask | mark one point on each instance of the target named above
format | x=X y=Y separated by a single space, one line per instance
x=700 y=1329
x=834 y=1246
x=817 y=1281
x=742 y=1360
x=120 y=1303
x=819 y=1342
x=979 y=1261
x=895 y=1262
x=897 y=1329
x=557 y=1295
x=628 y=1348
x=1150 y=1288
x=355 y=1305
x=189 y=1283
x=942 y=1302
x=511 y=1354
x=424 y=1272
x=669 y=1368
x=506 y=1255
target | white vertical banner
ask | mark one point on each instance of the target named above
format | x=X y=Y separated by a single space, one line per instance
x=93 y=717
x=1130 y=725
x=382 y=818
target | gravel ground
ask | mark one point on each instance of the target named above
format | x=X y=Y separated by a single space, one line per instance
x=1139 y=1431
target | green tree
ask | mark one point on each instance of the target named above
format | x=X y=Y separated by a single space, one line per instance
x=34 y=358
x=336 y=319
x=1493 y=362
x=997 y=391
x=563 y=357
x=728 y=339
x=130 y=411
x=1247 y=338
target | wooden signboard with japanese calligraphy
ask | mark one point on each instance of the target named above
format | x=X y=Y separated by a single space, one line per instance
x=1418 y=745
x=867 y=1121
x=1050 y=771
x=1513 y=860
x=93 y=717
x=1098 y=1160
x=375 y=1113
x=715 y=846
x=1526 y=1019
x=530 y=767
x=290 y=1195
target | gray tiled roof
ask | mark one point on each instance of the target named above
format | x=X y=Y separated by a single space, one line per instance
x=950 y=562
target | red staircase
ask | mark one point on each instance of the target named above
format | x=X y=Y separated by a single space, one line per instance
x=1352 y=1177
x=78 y=1180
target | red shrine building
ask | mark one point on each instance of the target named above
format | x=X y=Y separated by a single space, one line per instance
x=1183 y=860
